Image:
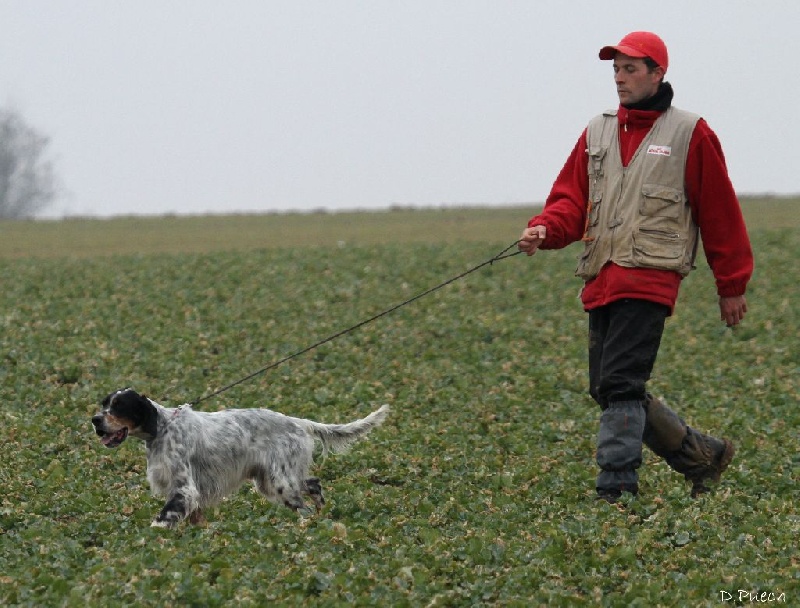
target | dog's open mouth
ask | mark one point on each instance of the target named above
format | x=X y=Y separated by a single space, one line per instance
x=112 y=440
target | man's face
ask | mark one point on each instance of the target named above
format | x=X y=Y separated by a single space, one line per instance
x=634 y=80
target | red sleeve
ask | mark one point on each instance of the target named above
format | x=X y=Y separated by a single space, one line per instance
x=717 y=212
x=564 y=213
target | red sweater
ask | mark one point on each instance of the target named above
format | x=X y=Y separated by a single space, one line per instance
x=715 y=209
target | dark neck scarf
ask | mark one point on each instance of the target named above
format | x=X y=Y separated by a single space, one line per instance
x=658 y=102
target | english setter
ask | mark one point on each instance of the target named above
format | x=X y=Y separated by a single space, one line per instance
x=195 y=459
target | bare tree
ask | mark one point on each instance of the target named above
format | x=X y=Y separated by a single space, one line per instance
x=27 y=181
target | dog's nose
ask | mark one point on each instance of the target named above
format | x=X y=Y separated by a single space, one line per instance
x=97 y=420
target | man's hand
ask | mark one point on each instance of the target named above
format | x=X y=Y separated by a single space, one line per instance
x=732 y=310
x=531 y=239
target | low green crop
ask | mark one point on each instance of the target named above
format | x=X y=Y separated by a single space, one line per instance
x=477 y=491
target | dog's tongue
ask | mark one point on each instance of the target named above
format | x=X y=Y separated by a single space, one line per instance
x=114 y=439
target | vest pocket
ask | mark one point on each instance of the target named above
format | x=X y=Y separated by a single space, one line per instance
x=596 y=156
x=596 y=183
x=593 y=208
x=658 y=248
x=662 y=201
x=586 y=262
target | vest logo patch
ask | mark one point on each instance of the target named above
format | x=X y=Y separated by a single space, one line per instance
x=660 y=150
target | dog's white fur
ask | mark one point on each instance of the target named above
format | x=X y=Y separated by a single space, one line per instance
x=195 y=459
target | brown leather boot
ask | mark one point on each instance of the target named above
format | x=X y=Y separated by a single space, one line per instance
x=713 y=471
x=700 y=458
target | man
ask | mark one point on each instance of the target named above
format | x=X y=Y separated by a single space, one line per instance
x=638 y=187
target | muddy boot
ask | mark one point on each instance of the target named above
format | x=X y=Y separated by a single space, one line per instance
x=700 y=458
x=619 y=449
x=722 y=454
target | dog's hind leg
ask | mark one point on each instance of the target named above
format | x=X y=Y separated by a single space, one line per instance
x=314 y=490
x=279 y=490
x=293 y=499
x=197 y=518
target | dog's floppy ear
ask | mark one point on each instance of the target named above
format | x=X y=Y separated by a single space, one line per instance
x=137 y=409
x=149 y=424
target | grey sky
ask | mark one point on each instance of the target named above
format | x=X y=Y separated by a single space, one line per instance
x=255 y=105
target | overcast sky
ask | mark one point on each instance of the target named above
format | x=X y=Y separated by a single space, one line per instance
x=190 y=107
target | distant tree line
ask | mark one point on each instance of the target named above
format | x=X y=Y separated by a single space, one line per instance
x=27 y=179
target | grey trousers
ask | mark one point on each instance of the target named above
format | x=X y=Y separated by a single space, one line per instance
x=624 y=337
x=623 y=343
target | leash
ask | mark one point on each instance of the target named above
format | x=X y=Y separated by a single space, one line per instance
x=500 y=256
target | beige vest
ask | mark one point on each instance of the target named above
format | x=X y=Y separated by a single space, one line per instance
x=639 y=215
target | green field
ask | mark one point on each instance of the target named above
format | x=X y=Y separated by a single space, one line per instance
x=478 y=491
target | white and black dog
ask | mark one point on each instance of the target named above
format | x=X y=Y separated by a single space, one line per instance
x=195 y=459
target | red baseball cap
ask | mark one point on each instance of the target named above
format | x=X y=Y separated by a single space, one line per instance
x=639 y=44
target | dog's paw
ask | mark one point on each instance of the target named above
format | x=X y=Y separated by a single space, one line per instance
x=164 y=523
x=171 y=515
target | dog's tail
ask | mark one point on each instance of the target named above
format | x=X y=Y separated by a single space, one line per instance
x=337 y=437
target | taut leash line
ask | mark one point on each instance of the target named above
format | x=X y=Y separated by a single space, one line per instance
x=500 y=256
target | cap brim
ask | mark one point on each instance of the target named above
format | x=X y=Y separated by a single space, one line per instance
x=609 y=52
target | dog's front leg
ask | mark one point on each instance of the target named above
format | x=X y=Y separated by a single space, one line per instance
x=181 y=502
x=173 y=512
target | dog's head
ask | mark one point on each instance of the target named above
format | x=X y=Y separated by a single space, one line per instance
x=125 y=412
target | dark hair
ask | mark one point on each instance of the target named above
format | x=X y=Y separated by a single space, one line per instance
x=650 y=63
